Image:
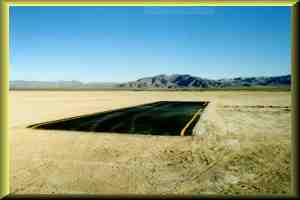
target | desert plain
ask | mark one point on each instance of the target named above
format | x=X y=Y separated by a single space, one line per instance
x=247 y=150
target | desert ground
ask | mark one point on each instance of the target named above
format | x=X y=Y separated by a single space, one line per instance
x=244 y=149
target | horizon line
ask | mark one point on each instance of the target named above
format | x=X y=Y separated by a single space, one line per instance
x=118 y=82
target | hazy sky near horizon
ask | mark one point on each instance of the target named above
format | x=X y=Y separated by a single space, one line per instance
x=118 y=44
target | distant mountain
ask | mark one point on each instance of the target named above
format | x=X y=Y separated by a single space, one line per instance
x=21 y=84
x=159 y=81
x=188 y=81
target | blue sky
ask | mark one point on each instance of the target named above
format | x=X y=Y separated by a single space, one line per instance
x=118 y=44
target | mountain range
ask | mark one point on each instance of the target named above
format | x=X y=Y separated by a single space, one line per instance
x=188 y=81
x=159 y=81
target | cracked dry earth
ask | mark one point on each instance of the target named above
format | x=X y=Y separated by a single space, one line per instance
x=253 y=157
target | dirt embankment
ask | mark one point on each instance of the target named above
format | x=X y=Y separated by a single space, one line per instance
x=210 y=122
x=244 y=151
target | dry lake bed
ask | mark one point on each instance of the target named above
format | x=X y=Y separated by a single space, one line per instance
x=244 y=146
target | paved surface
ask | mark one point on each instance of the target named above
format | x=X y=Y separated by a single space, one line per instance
x=150 y=118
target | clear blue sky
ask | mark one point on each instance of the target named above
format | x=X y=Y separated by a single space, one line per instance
x=117 y=44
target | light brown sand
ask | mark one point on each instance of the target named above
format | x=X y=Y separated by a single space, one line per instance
x=252 y=157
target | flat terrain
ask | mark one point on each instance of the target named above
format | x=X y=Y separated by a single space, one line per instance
x=149 y=119
x=253 y=157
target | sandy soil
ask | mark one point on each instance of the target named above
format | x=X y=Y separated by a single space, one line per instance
x=253 y=157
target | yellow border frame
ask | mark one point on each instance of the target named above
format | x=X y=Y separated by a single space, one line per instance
x=4 y=87
x=4 y=65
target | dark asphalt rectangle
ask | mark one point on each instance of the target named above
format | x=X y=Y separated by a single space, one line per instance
x=159 y=118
